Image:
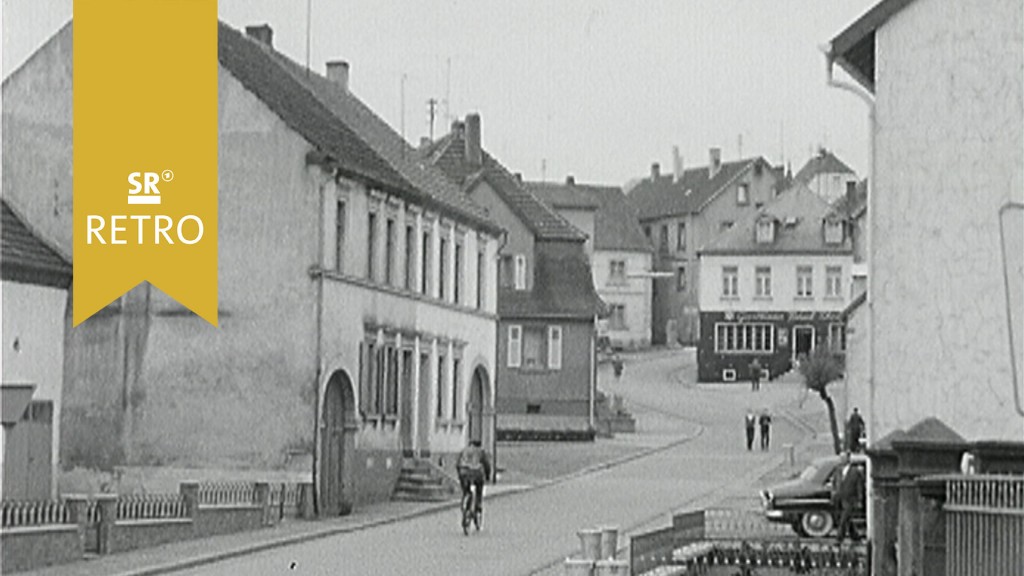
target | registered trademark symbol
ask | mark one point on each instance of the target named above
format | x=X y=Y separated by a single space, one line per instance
x=167 y=175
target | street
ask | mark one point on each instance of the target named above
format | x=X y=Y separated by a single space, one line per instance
x=697 y=457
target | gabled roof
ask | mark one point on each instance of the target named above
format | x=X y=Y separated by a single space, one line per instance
x=660 y=197
x=346 y=133
x=448 y=154
x=563 y=288
x=616 y=225
x=799 y=215
x=854 y=48
x=26 y=258
x=824 y=163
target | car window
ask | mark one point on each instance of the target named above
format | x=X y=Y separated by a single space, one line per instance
x=809 y=473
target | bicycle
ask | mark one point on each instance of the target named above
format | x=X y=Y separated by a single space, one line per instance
x=469 y=511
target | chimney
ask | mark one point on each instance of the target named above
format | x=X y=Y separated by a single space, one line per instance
x=474 y=155
x=337 y=72
x=519 y=177
x=261 y=33
x=570 y=180
x=677 y=165
x=655 y=171
x=714 y=161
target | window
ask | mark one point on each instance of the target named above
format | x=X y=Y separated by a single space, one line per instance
x=617 y=320
x=837 y=337
x=425 y=265
x=765 y=231
x=804 y=282
x=647 y=232
x=520 y=260
x=833 y=281
x=339 y=236
x=371 y=240
x=555 y=347
x=681 y=279
x=442 y=268
x=481 y=278
x=763 y=282
x=410 y=258
x=681 y=237
x=724 y=225
x=731 y=337
x=663 y=240
x=534 y=347
x=617 y=272
x=833 y=231
x=440 y=385
x=515 y=346
x=457 y=287
x=456 y=376
x=507 y=272
x=367 y=377
x=730 y=282
x=389 y=251
x=743 y=194
x=391 y=389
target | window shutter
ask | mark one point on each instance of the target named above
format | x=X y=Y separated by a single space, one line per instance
x=554 y=347
x=515 y=346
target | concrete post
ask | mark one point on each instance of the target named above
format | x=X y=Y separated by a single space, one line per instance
x=590 y=544
x=190 y=493
x=78 y=511
x=609 y=541
x=107 y=507
x=261 y=495
x=306 y=510
x=578 y=567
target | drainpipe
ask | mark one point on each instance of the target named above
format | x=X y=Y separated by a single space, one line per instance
x=319 y=267
x=869 y=249
x=497 y=359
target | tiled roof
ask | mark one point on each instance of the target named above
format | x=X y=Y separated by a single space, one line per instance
x=656 y=198
x=563 y=287
x=799 y=215
x=448 y=155
x=616 y=225
x=340 y=126
x=824 y=163
x=26 y=258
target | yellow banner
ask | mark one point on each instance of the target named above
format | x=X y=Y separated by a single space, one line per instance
x=145 y=152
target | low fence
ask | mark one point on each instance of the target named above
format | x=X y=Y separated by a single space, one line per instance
x=698 y=542
x=984 y=517
x=36 y=534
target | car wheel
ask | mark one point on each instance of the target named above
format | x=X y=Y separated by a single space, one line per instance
x=816 y=524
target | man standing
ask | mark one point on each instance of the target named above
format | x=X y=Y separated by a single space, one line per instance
x=854 y=431
x=755 y=375
x=766 y=427
x=848 y=486
x=750 y=421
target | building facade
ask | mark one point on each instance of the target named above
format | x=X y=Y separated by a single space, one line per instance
x=827 y=176
x=682 y=211
x=357 y=291
x=621 y=259
x=547 y=306
x=774 y=288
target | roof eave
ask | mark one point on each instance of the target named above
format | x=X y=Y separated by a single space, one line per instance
x=862 y=30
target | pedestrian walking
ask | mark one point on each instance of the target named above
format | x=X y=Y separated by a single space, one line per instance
x=750 y=421
x=755 y=375
x=848 y=496
x=765 y=420
x=854 y=431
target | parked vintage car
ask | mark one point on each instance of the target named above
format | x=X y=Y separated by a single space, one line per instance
x=805 y=502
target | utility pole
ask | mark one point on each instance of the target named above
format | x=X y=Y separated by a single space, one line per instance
x=402 y=115
x=309 y=33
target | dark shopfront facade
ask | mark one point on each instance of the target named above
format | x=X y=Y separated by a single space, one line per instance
x=729 y=341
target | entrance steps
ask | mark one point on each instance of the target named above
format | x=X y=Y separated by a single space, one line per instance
x=422 y=481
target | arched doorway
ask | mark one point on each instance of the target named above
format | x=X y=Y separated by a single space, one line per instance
x=337 y=444
x=475 y=410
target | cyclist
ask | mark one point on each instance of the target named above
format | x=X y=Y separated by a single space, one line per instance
x=474 y=467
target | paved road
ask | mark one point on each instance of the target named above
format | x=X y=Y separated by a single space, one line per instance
x=697 y=458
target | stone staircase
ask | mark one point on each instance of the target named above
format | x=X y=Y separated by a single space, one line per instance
x=422 y=481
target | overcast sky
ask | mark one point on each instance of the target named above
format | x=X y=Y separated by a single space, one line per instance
x=594 y=88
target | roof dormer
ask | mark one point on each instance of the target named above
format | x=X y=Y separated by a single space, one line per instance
x=833 y=229
x=764 y=229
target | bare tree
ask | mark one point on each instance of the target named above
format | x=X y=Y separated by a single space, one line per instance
x=820 y=369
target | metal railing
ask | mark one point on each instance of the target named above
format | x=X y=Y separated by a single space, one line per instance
x=226 y=493
x=151 y=506
x=37 y=513
x=984 y=525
